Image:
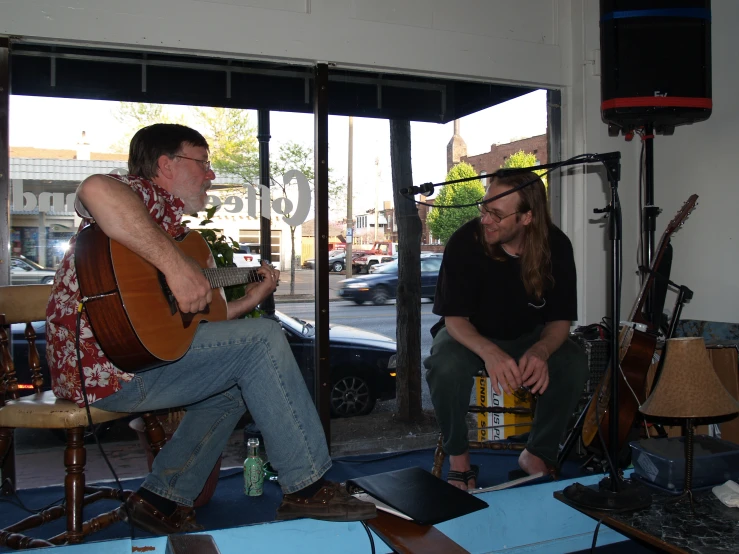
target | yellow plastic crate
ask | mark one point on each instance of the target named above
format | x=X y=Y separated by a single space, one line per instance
x=499 y=426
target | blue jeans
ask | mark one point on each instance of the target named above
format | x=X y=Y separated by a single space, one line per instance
x=230 y=364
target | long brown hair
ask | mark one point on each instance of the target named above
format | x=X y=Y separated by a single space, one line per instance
x=536 y=258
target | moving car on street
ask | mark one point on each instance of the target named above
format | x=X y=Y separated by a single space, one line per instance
x=382 y=285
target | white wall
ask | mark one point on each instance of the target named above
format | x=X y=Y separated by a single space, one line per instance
x=586 y=188
x=697 y=159
x=702 y=159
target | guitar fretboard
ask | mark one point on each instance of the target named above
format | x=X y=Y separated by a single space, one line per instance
x=229 y=276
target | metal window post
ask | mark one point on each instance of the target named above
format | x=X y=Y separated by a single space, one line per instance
x=323 y=369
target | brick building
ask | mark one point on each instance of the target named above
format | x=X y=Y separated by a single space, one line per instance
x=493 y=160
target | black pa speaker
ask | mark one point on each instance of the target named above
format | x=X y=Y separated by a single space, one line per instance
x=655 y=63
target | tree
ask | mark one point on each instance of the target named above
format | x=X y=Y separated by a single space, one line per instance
x=408 y=382
x=135 y=116
x=292 y=155
x=443 y=222
x=524 y=159
x=234 y=150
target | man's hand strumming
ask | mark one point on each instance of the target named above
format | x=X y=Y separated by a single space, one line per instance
x=190 y=287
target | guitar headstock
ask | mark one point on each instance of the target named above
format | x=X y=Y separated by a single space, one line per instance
x=680 y=217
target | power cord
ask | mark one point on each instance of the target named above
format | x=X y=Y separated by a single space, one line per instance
x=595 y=536
x=89 y=418
x=15 y=500
x=369 y=534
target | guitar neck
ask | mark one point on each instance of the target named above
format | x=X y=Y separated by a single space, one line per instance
x=229 y=276
x=636 y=311
x=674 y=224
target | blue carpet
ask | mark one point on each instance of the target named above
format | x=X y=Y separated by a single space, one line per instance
x=230 y=508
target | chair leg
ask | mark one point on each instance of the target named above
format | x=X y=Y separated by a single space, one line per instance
x=7 y=460
x=439 y=456
x=75 y=457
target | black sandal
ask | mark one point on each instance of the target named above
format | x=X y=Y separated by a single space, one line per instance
x=464 y=476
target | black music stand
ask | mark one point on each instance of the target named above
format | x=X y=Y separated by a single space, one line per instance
x=613 y=493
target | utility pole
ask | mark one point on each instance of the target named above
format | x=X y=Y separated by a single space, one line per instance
x=349 y=219
x=377 y=196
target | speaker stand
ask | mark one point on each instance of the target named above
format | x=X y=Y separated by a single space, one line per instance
x=649 y=221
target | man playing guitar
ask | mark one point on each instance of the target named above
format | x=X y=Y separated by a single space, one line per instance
x=229 y=365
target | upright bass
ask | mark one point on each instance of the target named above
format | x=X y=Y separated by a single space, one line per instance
x=637 y=342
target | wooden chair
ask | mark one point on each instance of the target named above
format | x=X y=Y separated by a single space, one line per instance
x=42 y=410
x=440 y=455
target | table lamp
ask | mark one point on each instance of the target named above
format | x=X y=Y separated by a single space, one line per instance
x=689 y=390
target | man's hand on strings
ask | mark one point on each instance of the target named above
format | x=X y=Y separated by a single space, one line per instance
x=262 y=289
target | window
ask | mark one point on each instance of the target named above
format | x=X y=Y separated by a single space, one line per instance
x=249 y=236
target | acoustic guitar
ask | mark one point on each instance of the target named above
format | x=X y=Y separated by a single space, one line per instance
x=133 y=314
x=637 y=344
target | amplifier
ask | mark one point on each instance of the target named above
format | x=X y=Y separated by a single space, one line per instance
x=598 y=352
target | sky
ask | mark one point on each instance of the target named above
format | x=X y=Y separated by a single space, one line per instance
x=59 y=122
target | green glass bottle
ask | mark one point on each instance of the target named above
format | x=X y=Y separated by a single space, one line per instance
x=253 y=469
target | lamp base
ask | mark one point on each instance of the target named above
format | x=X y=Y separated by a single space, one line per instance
x=630 y=496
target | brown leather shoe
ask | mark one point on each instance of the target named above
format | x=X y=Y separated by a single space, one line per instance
x=147 y=517
x=330 y=503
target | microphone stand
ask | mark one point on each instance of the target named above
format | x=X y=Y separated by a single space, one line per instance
x=614 y=493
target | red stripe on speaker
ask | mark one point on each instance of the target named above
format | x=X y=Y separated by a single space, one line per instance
x=657 y=102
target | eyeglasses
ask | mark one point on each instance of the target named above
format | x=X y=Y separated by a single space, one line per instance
x=205 y=163
x=495 y=217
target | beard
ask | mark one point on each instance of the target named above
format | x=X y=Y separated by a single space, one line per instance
x=501 y=236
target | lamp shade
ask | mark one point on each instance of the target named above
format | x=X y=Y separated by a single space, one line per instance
x=688 y=386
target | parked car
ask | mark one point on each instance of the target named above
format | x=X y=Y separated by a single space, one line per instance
x=374 y=268
x=27 y=272
x=381 y=286
x=362 y=362
x=336 y=261
x=248 y=255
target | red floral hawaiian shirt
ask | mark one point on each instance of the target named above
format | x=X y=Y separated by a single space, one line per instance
x=102 y=378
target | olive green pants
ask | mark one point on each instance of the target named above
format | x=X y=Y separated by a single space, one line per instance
x=451 y=369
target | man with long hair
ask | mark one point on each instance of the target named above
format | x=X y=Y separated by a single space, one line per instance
x=507 y=295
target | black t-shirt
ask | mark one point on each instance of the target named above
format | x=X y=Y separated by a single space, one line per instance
x=491 y=293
